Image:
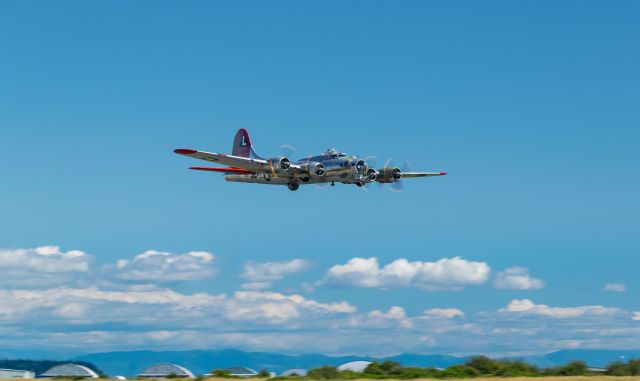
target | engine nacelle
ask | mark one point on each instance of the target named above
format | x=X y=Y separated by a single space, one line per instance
x=361 y=166
x=372 y=174
x=313 y=169
x=279 y=164
x=389 y=175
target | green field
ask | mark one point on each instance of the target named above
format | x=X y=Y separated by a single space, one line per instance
x=543 y=378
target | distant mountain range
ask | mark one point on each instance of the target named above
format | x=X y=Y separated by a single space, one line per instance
x=203 y=361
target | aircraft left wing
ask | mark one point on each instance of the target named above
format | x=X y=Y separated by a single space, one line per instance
x=406 y=175
x=246 y=163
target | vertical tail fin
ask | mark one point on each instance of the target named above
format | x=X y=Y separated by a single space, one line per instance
x=242 y=145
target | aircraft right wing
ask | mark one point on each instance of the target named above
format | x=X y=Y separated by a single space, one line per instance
x=406 y=175
x=246 y=163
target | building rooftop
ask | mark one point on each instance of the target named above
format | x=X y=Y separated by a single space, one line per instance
x=355 y=366
x=164 y=370
x=70 y=370
x=295 y=371
x=241 y=371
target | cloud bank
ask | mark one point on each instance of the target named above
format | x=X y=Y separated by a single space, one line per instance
x=134 y=304
x=444 y=274
x=161 y=267
x=258 y=320
x=41 y=266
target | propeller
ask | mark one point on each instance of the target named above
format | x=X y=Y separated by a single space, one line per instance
x=371 y=163
x=287 y=151
x=398 y=186
x=387 y=164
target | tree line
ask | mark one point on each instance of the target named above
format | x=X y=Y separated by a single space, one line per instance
x=479 y=366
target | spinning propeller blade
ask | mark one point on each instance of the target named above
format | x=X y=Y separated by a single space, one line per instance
x=287 y=151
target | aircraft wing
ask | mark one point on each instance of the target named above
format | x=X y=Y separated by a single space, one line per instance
x=406 y=175
x=239 y=162
x=222 y=170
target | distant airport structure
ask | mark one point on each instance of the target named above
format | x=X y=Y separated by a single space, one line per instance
x=166 y=370
x=14 y=373
x=69 y=370
x=355 y=366
x=241 y=371
x=294 y=372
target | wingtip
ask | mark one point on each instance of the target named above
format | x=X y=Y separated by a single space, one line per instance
x=185 y=151
x=444 y=173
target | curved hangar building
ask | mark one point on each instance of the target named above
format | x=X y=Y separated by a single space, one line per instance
x=14 y=373
x=166 y=370
x=294 y=372
x=70 y=370
x=355 y=366
x=241 y=371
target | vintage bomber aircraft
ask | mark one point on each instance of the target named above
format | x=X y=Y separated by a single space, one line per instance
x=245 y=166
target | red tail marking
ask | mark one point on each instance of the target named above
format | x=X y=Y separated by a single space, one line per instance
x=242 y=144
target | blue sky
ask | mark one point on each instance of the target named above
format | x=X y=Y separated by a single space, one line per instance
x=532 y=107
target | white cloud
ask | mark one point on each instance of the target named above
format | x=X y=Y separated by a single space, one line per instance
x=516 y=278
x=256 y=285
x=260 y=275
x=45 y=259
x=41 y=266
x=526 y=306
x=636 y=316
x=395 y=313
x=615 y=287
x=444 y=274
x=446 y=313
x=158 y=266
x=254 y=297
x=395 y=316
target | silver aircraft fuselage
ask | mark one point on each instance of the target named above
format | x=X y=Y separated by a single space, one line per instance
x=338 y=167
